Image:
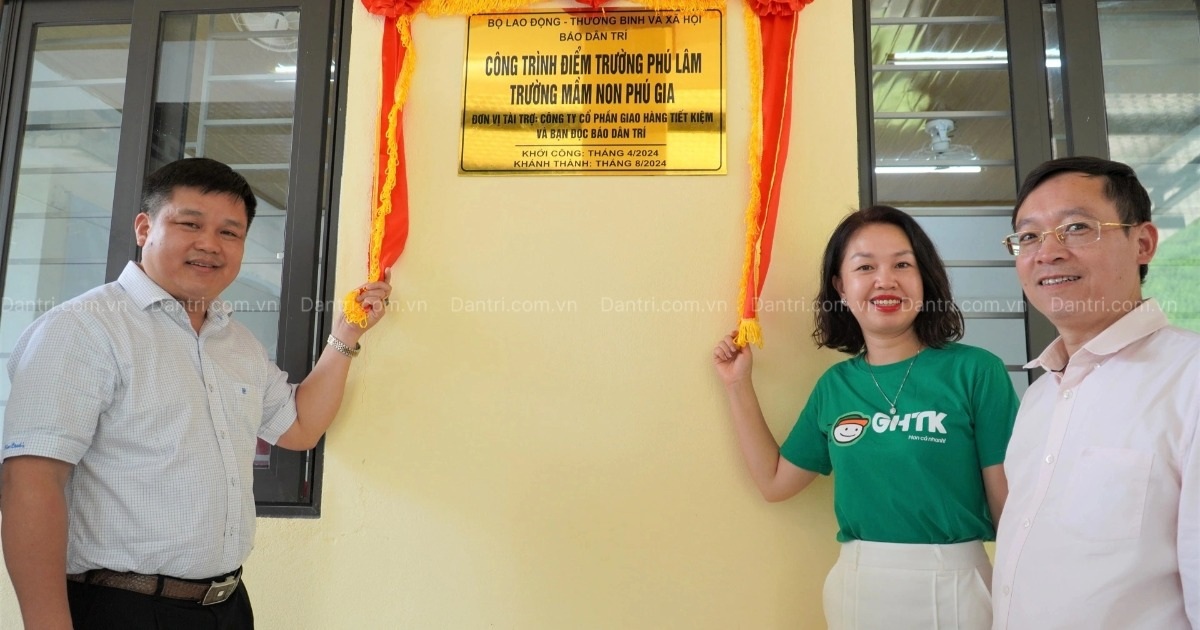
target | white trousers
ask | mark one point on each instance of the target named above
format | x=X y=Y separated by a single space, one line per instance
x=890 y=586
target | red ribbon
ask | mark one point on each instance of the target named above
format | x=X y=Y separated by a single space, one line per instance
x=778 y=30
x=395 y=234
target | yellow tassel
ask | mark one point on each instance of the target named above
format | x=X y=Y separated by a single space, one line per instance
x=750 y=260
x=355 y=313
x=749 y=332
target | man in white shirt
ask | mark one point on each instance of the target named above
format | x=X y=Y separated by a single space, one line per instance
x=1102 y=525
x=131 y=427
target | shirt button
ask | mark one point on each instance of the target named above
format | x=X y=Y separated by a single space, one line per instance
x=1027 y=523
x=1007 y=589
x=210 y=388
x=1066 y=393
x=233 y=482
x=1049 y=459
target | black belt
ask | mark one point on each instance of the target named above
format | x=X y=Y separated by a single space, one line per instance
x=204 y=592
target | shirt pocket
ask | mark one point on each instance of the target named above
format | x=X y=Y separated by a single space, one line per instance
x=245 y=410
x=1106 y=495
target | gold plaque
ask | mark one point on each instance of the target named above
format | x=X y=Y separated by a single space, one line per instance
x=615 y=92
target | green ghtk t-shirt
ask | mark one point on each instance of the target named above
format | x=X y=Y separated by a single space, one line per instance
x=912 y=477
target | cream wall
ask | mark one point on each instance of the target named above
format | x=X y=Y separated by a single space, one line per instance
x=571 y=469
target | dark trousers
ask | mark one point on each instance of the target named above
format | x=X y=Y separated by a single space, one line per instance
x=104 y=608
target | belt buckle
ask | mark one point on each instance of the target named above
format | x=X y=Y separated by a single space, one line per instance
x=220 y=591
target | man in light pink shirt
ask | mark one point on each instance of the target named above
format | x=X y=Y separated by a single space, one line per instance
x=1102 y=525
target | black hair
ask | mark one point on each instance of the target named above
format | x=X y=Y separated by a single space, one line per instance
x=939 y=321
x=1121 y=186
x=203 y=174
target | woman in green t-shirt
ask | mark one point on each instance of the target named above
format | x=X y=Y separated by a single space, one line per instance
x=914 y=425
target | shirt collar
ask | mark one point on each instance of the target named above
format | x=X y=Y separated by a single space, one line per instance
x=146 y=293
x=1145 y=319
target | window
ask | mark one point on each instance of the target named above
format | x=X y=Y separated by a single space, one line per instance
x=959 y=100
x=93 y=102
x=1146 y=90
x=937 y=124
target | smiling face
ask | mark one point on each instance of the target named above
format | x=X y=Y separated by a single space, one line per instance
x=1084 y=289
x=192 y=247
x=880 y=281
x=849 y=428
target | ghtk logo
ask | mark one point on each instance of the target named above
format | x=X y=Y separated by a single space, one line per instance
x=849 y=428
x=921 y=421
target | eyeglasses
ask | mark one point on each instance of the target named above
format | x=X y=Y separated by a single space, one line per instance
x=1071 y=234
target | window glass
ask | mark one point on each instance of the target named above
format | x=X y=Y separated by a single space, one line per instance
x=1151 y=50
x=942 y=126
x=226 y=90
x=62 y=211
x=973 y=238
x=942 y=140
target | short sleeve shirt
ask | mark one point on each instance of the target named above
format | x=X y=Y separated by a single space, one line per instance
x=160 y=423
x=913 y=476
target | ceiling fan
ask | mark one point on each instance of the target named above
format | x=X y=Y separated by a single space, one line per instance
x=940 y=156
x=940 y=148
x=287 y=23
